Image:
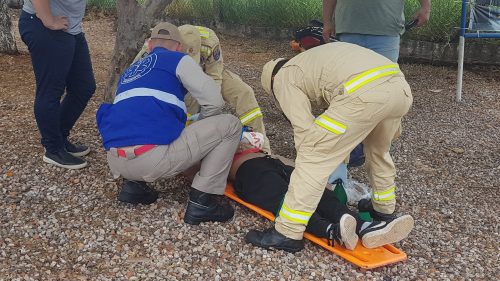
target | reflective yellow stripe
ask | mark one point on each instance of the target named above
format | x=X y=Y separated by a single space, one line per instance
x=250 y=116
x=295 y=216
x=385 y=195
x=188 y=122
x=369 y=76
x=330 y=124
x=205 y=51
x=203 y=32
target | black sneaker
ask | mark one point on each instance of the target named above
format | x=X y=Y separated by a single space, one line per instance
x=137 y=192
x=270 y=238
x=365 y=205
x=380 y=233
x=75 y=149
x=344 y=232
x=64 y=160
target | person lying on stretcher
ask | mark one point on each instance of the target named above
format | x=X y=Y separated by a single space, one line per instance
x=262 y=180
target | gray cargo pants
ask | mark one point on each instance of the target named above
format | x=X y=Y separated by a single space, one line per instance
x=212 y=141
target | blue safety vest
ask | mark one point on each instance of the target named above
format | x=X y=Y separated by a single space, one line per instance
x=149 y=103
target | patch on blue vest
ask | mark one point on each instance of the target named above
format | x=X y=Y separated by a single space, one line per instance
x=139 y=69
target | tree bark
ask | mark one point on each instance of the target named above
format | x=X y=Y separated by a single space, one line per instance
x=15 y=4
x=7 y=42
x=218 y=16
x=133 y=24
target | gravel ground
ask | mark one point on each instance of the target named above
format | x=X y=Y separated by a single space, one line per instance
x=67 y=225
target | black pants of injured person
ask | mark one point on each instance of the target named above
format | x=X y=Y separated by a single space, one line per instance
x=264 y=182
x=210 y=142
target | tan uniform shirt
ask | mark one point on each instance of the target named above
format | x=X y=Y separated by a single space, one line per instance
x=210 y=54
x=317 y=76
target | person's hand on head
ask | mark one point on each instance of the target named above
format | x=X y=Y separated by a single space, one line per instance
x=57 y=23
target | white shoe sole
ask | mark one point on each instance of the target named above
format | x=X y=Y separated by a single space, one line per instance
x=348 y=231
x=81 y=153
x=395 y=231
x=71 y=167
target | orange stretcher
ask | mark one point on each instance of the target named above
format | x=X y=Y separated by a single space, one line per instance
x=360 y=256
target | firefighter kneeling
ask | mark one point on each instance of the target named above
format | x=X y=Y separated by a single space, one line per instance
x=366 y=96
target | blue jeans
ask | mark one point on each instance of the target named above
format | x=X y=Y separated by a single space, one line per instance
x=387 y=46
x=61 y=61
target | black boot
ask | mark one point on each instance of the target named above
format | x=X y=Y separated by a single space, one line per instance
x=270 y=238
x=137 y=192
x=365 y=205
x=202 y=207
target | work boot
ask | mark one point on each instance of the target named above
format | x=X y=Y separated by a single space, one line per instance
x=76 y=149
x=270 y=238
x=64 y=160
x=202 y=207
x=137 y=192
x=365 y=205
x=343 y=232
x=378 y=233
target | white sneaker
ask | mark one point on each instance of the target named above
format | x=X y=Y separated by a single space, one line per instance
x=380 y=233
x=344 y=232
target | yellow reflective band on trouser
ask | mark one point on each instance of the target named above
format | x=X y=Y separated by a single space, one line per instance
x=203 y=32
x=369 y=76
x=295 y=216
x=385 y=195
x=330 y=124
x=250 y=116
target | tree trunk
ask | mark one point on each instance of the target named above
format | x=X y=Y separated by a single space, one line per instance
x=218 y=16
x=7 y=42
x=133 y=24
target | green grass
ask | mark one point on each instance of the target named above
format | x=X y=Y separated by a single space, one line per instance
x=442 y=27
x=278 y=13
x=102 y=4
x=443 y=24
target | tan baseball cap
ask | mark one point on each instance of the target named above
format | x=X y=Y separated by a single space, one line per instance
x=167 y=31
x=192 y=41
x=267 y=73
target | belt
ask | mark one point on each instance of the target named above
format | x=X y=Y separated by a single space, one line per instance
x=132 y=152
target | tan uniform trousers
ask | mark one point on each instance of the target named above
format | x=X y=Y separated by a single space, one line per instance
x=212 y=141
x=373 y=116
x=241 y=97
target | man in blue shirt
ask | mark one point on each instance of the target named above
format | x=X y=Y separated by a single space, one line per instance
x=145 y=135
